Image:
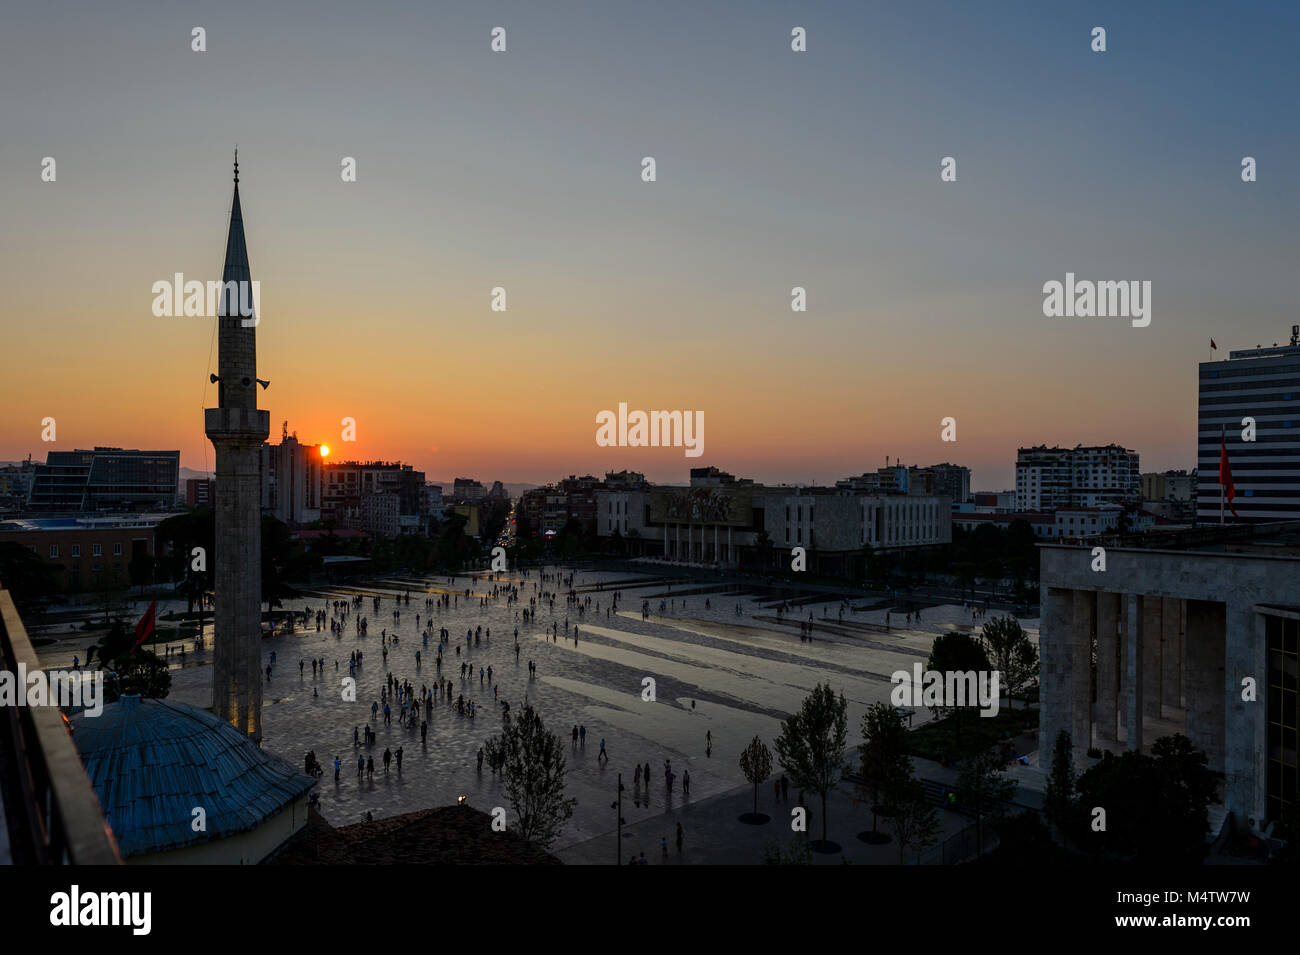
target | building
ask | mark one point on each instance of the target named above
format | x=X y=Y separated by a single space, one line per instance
x=89 y=552
x=988 y=502
x=380 y=514
x=16 y=482
x=719 y=520
x=105 y=479
x=550 y=509
x=1050 y=478
x=200 y=492
x=1263 y=384
x=473 y=518
x=1177 y=629
x=154 y=762
x=1084 y=522
x=467 y=489
x=950 y=480
x=1169 y=486
x=1043 y=524
x=625 y=480
x=292 y=479
x=346 y=483
x=237 y=429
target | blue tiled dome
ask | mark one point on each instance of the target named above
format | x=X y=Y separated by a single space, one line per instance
x=152 y=762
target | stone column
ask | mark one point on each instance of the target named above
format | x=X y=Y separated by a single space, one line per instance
x=1065 y=675
x=1171 y=655
x=1151 y=638
x=1081 y=631
x=1134 y=657
x=1053 y=659
x=1245 y=728
x=1205 y=679
x=1108 y=612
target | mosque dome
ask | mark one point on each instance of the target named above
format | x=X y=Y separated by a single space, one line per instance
x=154 y=762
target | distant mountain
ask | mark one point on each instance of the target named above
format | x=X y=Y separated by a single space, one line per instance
x=191 y=474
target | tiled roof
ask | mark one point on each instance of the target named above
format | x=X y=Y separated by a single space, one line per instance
x=153 y=762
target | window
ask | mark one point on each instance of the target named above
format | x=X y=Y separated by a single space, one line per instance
x=117 y=549
x=54 y=550
x=96 y=550
x=76 y=550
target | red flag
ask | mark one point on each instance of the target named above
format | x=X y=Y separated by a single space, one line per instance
x=1214 y=346
x=1225 y=475
x=145 y=628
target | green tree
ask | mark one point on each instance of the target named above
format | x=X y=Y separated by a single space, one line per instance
x=140 y=672
x=1157 y=805
x=883 y=751
x=533 y=777
x=1058 y=801
x=1011 y=652
x=31 y=581
x=911 y=817
x=812 y=741
x=796 y=853
x=756 y=764
x=984 y=790
x=275 y=559
x=957 y=653
x=141 y=571
x=175 y=540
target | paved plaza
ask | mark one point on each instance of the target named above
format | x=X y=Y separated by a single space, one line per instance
x=715 y=672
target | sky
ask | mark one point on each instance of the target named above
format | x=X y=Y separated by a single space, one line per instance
x=522 y=170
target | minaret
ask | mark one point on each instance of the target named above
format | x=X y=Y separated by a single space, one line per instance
x=237 y=429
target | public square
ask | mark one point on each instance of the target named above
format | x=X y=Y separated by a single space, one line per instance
x=719 y=677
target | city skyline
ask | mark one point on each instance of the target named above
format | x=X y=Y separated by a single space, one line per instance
x=775 y=170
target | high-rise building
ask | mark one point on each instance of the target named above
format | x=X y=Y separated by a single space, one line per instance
x=106 y=479
x=237 y=429
x=950 y=480
x=1262 y=384
x=346 y=483
x=1052 y=478
x=291 y=480
x=467 y=489
x=200 y=492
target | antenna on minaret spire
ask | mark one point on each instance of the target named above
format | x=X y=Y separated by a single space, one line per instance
x=236 y=164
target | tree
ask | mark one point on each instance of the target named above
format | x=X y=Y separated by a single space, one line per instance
x=884 y=759
x=957 y=653
x=139 y=672
x=31 y=581
x=911 y=817
x=1156 y=805
x=811 y=746
x=1011 y=652
x=796 y=853
x=756 y=764
x=275 y=556
x=1058 y=801
x=983 y=789
x=140 y=570
x=533 y=777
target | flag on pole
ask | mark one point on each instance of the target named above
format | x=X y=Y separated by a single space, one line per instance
x=1225 y=474
x=1214 y=346
x=145 y=628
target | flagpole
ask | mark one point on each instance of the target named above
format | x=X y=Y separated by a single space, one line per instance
x=1222 y=444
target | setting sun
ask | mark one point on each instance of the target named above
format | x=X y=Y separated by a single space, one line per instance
x=324 y=450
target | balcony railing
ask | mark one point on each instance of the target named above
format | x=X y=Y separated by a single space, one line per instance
x=50 y=806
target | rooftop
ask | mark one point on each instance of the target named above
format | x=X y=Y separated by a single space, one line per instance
x=152 y=762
